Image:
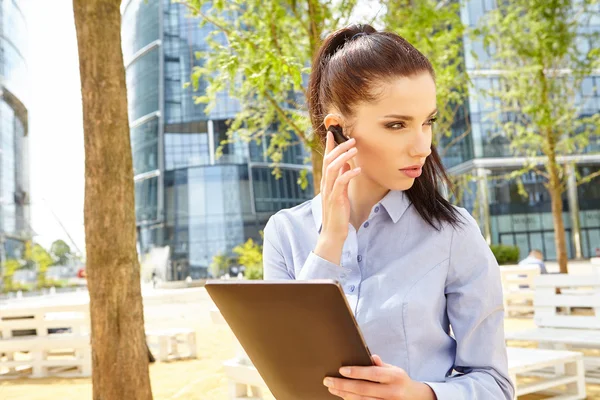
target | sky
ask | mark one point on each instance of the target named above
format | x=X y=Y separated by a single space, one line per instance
x=56 y=151
x=56 y=148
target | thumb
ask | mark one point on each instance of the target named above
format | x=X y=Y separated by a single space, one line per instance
x=377 y=360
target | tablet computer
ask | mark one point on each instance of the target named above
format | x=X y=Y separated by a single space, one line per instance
x=295 y=332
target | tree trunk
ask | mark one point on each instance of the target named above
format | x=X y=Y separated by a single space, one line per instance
x=119 y=352
x=316 y=158
x=554 y=187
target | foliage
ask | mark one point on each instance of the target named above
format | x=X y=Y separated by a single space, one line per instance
x=505 y=254
x=61 y=250
x=260 y=53
x=56 y=283
x=34 y=257
x=542 y=51
x=9 y=266
x=220 y=265
x=250 y=256
x=254 y=273
x=43 y=259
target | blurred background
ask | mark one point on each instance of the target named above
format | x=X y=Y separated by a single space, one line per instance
x=220 y=138
x=199 y=205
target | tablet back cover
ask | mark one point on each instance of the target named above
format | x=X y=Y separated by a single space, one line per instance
x=294 y=332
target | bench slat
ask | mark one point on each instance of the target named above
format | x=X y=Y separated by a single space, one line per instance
x=568 y=300
x=567 y=321
x=585 y=337
x=567 y=280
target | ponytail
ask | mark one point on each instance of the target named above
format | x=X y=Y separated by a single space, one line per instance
x=317 y=91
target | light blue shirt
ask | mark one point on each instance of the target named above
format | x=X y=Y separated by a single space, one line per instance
x=530 y=260
x=407 y=284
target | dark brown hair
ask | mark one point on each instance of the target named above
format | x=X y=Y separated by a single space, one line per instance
x=351 y=66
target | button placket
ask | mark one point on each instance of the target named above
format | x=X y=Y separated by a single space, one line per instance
x=347 y=277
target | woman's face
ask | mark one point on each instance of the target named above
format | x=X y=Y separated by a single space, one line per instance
x=394 y=132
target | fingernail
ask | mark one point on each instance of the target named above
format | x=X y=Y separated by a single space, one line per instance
x=357 y=169
x=345 y=371
x=328 y=382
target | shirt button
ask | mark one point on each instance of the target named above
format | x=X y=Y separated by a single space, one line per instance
x=377 y=209
x=366 y=225
x=359 y=258
x=352 y=287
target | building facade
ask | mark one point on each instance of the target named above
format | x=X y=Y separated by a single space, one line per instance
x=14 y=176
x=186 y=198
x=504 y=215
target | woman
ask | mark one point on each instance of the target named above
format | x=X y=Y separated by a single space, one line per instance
x=410 y=263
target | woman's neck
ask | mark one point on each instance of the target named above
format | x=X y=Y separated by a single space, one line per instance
x=363 y=194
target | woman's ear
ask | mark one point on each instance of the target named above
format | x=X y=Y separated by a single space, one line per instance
x=333 y=119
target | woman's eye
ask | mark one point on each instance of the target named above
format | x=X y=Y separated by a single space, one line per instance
x=431 y=121
x=397 y=125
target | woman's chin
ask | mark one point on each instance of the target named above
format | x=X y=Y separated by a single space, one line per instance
x=403 y=184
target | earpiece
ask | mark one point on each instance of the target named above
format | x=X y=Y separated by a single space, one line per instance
x=338 y=133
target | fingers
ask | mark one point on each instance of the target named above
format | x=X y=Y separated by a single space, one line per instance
x=340 y=185
x=351 y=396
x=332 y=172
x=379 y=374
x=334 y=159
x=345 y=168
x=353 y=389
x=332 y=152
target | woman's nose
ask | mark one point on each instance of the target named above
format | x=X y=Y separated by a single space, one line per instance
x=421 y=145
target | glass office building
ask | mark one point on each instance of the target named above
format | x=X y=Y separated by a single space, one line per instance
x=504 y=215
x=14 y=181
x=186 y=198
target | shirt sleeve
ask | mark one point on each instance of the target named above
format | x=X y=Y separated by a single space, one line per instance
x=475 y=310
x=277 y=266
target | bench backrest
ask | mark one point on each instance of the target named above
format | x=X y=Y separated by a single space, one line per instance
x=514 y=277
x=44 y=319
x=576 y=291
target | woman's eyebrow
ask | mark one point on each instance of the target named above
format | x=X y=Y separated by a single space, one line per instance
x=408 y=117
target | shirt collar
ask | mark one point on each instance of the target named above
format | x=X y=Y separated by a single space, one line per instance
x=395 y=203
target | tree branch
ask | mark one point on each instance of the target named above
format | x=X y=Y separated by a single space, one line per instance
x=588 y=178
x=291 y=123
x=274 y=36
x=455 y=140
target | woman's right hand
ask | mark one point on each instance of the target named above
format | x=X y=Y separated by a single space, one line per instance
x=336 y=176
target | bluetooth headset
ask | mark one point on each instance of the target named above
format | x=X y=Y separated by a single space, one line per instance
x=338 y=134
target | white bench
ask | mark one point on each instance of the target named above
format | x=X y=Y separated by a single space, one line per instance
x=518 y=285
x=565 y=330
x=41 y=338
x=244 y=379
x=167 y=343
x=524 y=363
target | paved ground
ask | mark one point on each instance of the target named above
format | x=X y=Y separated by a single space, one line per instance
x=200 y=379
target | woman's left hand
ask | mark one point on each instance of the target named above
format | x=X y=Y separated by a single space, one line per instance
x=380 y=382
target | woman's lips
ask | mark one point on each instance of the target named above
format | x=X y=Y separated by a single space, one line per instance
x=412 y=172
